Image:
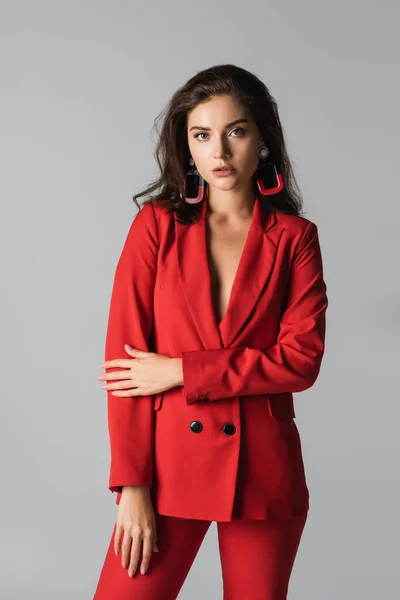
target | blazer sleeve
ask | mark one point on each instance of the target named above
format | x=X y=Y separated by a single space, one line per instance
x=293 y=363
x=130 y=321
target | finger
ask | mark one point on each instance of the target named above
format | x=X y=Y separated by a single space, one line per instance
x=117 y=538
x=135 y=554
x=126 y=550
x=133 y=392
x=123 y=363
x=115 y=375
x=137 y=353
x=147 y=551
x=130 y=393
x=155 y=538
x=119 y=385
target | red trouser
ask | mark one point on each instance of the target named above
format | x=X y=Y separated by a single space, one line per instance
x=256 y=559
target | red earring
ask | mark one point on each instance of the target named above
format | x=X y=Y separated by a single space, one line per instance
x=194 y=186
x=269 y=181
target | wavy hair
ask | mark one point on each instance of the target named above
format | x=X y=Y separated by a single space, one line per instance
x=172 y=150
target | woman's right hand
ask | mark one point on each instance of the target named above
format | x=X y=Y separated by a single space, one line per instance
x=136 y=524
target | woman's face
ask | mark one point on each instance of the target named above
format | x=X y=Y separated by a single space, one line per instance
x=214 y=141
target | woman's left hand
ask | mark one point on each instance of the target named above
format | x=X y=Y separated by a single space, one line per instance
x=146 y=373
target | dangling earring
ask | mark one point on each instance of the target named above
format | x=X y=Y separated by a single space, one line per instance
x=194 y=185
x=267 y=174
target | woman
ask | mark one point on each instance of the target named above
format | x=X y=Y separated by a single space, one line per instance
x=219 y=293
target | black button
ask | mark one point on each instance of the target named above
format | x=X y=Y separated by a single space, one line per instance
x=229 y=429
x=201 y=400
x=196 y=426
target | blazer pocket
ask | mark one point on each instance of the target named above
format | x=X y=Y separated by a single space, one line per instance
x=158 y=401
x=281 y=405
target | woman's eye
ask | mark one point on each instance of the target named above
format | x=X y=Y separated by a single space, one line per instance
x=240 y=129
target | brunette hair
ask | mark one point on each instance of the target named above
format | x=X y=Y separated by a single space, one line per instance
x=172 y=149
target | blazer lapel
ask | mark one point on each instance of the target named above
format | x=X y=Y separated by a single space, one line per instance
x=254 y=269
x=255 y=266
x=195 y=277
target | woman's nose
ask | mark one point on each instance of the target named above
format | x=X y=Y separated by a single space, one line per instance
x=221 y=151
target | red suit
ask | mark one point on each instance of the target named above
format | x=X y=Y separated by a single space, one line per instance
x=225 y=445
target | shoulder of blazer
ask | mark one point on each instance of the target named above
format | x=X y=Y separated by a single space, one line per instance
x=164 y=217
x=162 y=210
x=296 y=228
x=295 y=224
x=146 y=218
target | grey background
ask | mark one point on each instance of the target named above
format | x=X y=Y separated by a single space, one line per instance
x=80 y=85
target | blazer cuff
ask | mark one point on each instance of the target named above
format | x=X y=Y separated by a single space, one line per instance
x=194 y=375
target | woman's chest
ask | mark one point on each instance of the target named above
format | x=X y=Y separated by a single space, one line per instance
x=225 y=245
x=212 y=290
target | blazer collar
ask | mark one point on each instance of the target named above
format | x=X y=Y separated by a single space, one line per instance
x=255 y=266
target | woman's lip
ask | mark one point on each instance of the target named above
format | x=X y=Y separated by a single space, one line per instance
x=224 y=169
x=224 y=172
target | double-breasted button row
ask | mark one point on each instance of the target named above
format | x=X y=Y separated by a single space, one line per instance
x=228 y=428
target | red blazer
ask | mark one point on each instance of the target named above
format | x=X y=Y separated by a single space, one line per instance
x=224 y=445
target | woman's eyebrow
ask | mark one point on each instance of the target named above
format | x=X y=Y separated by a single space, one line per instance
x=226 y=126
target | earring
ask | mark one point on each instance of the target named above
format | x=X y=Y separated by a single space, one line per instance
x=269 y=181
x=194 y=185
